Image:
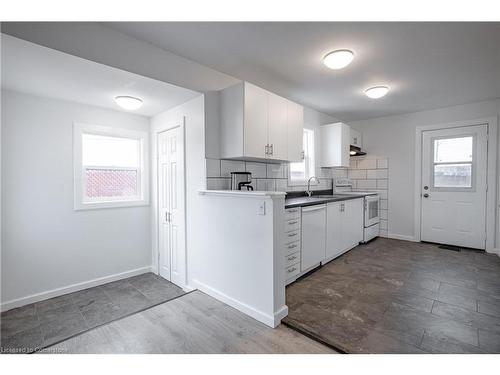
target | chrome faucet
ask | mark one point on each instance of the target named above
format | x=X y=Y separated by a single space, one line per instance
x=308 y=191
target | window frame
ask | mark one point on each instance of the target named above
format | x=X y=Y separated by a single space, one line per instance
x=79 y=170
x=303 y=181
x=472 y=163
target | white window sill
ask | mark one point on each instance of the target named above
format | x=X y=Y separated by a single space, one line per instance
x=103 y=205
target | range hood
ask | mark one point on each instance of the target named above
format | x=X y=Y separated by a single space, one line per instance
x=356 y=151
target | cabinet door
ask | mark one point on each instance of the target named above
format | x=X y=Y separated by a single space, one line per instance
x=277 y=129
x=352 y=223
x=255 y=121
x=334 y=243
x=295 y=131
x=313 y=236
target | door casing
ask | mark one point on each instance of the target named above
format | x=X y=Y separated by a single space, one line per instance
x=492 y=226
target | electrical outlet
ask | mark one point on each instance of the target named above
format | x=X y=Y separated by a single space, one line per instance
x=262 y=208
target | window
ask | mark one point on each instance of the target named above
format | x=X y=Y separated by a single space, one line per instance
x=110 y=167
x=453 y=162
x=302 y=171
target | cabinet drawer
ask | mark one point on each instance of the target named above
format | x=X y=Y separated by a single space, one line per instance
x=292 y=213
x=292 y=259
x=292 y=248
x=292 y=271
x=292 y=236
x=291 y=225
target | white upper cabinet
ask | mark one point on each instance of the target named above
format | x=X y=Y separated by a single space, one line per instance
x=257 y=124
x=277 y=138
x=255 y=120
x=356 y=138
x=335 y=145
x=295 y=131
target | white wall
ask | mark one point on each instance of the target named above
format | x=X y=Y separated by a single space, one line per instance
x=394 y=137
x=193 y=112
x=47 y=245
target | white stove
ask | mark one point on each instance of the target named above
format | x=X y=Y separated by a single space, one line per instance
x=371 y=203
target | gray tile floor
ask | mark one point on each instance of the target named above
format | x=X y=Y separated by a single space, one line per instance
x=393 y=296
x=44 y=323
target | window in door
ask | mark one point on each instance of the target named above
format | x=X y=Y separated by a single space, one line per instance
x=109 y=167
x=300 y=172
x=453 y=163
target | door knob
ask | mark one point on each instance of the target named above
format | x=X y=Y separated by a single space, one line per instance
x=426 y=195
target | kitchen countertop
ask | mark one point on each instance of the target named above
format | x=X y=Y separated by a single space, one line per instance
x=303 y=201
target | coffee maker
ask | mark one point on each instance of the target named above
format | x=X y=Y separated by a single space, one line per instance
x=241 y=181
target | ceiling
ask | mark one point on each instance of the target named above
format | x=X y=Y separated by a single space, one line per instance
x=427 y=65
x=37 y=70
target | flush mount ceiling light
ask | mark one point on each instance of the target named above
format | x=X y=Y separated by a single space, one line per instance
x=128 y=102
x=338 y=59
x=377 y=92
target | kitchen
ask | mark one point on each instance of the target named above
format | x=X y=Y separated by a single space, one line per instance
x=341 y=213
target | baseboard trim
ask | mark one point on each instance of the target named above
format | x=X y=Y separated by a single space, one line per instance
x=269 y=320
x=72 y=288
x=401 y=237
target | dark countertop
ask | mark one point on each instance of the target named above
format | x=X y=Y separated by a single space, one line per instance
x=303 y=201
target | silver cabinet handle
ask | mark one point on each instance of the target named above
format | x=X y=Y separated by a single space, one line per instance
x=292 y=258
x=166 y=216
x=291 y=211
x=266 y=148
x=271 y=149
x=292 y=222
x=292 y=234
x=292 y=269
x=292 y=246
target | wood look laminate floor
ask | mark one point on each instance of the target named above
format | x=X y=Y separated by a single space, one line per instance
x=193 y=323
x=392 y=296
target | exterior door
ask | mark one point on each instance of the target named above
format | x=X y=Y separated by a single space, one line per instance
x=171 y=205
x=453 y=191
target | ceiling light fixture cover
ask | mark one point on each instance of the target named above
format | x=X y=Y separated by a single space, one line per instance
x=377 y=92
x=128 y=102
x=338 y=59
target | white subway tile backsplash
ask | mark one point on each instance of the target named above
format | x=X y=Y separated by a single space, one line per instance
x=382 y=184
x=357 y=174
x=218 y=183
x=383 y=204
x=383 y=224
x=353 y=163
x=377 y=173
x=383 y=233
x=264 y=184
x=383 y=214
x=213 y=167
x=366 y=184
x=281 y=184
x=382 y=163
x=367 y=164
x=276 y=171
x=339 y=173
x=258 y=170
x=228 y=166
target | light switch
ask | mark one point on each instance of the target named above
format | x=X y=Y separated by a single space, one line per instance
x=262 y=208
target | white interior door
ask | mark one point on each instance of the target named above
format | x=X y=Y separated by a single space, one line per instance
x=454 y=172
x=171 y=205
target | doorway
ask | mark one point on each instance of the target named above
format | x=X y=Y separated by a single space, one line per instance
x=453 y=187
x=171 y=207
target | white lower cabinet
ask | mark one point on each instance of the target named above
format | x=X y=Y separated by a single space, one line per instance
x=313 y=236
x=344 y=222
